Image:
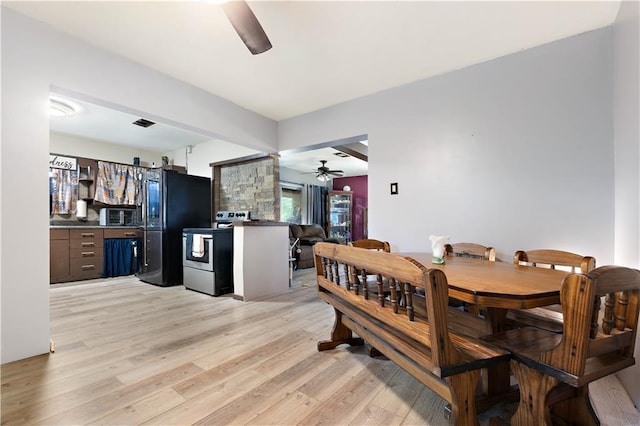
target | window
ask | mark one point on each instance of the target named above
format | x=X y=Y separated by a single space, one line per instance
x=291 y=205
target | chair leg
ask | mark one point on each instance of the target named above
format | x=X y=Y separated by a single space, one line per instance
x=534 y=386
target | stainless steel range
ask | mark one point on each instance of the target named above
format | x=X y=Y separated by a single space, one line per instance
x=207 y=254
x=207 y=260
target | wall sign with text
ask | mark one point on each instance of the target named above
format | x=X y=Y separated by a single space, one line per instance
x=60 y=162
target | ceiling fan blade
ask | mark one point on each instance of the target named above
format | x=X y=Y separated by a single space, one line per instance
x=335 y=171
x=247 y=26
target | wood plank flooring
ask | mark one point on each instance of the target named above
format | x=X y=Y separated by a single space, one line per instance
x=131 y=353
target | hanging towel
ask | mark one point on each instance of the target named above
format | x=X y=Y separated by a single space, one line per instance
x=188 y=250
x=197 y=247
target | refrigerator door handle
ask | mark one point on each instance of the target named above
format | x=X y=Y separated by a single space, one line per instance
x=144 y=248
x=145 y=205
x=145 y=202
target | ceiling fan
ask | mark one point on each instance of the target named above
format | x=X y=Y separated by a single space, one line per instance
x=247 y=26
x=323 y=173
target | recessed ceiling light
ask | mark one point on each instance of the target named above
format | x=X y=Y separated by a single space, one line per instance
x=341 y=154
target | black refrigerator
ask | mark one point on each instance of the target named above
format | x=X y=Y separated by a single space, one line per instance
x=172 y=201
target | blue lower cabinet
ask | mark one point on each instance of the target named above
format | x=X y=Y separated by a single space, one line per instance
x=119 y=257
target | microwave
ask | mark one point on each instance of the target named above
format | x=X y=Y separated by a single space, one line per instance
x=118 y=217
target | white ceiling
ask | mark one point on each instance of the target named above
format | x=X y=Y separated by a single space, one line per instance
x=108 y=125
x=324 y=52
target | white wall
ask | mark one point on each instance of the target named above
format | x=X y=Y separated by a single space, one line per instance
x=627 y=154
x=25 y=146
x=627 y=133
x=209 y=152
x=36 y=58
x=60 y=143
x=516 y=153
x=199 y=159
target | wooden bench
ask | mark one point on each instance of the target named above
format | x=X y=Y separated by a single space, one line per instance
x=554 y=370
x=447 y=362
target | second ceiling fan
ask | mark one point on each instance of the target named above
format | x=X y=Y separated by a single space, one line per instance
x=247 y=26
x=323 y=173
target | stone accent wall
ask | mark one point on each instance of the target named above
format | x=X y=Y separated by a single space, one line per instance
x=252 y=185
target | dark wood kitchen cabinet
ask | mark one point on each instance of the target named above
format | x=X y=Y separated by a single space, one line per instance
x=75 y=254
x=59 y=256
x=78 y=253
x=122 y=233
x=85 y=253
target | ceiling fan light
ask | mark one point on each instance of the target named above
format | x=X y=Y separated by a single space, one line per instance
x=323 y=178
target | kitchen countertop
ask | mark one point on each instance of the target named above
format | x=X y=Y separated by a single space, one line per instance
x=260 y=223
x=87 y=226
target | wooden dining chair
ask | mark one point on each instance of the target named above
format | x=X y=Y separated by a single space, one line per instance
x=473 y=250
x=370 y=283
x=371 y=244
x=549 y=317
x=553 y=370
x=470 y=250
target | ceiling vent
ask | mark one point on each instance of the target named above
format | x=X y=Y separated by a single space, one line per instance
x=341 y=154
x=143 y=123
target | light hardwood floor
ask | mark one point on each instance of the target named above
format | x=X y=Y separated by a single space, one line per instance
x=132 y=353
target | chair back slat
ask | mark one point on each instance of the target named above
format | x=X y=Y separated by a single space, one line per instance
x=607 y=318
x=597 y=301
x=620 y=310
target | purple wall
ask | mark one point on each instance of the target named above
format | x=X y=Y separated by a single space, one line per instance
x=359 y=187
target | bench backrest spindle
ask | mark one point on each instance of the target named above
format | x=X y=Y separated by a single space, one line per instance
x=363 y=283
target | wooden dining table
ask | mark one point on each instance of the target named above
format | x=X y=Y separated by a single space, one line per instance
x=497 y=287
